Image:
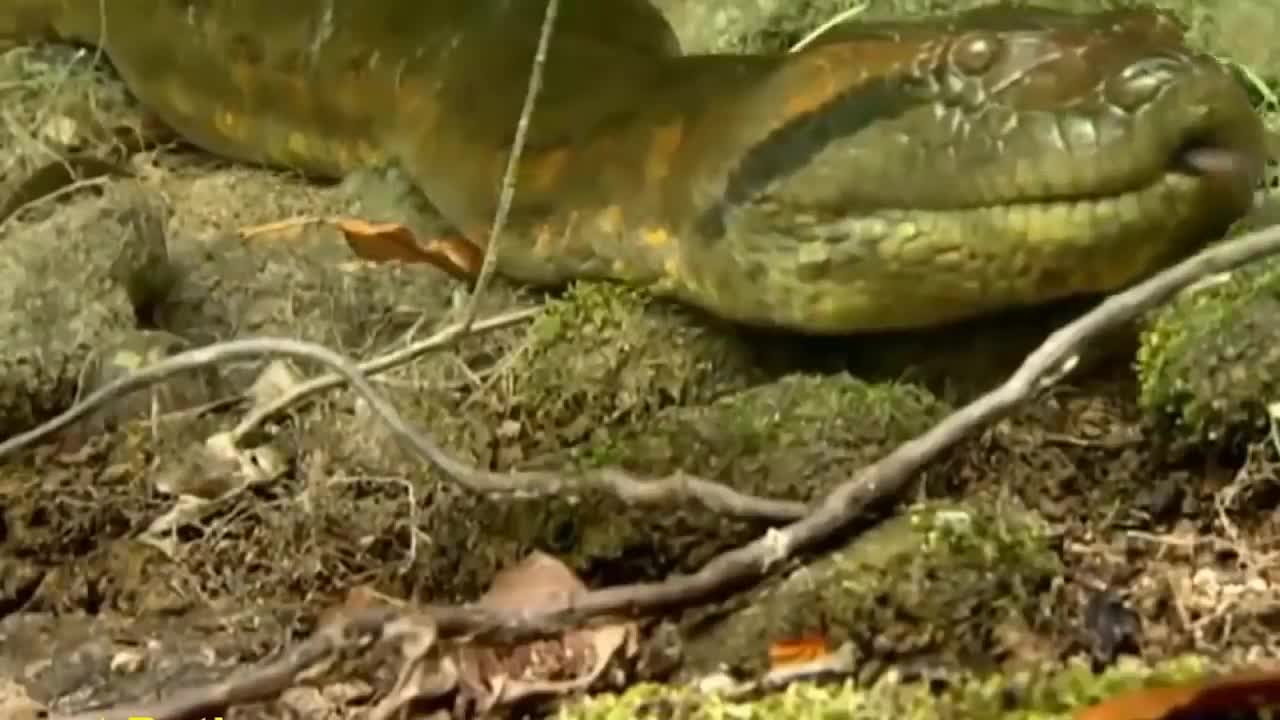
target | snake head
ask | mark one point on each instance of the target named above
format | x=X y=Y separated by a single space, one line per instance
x=932 y=170
x=1002 y=106
x=1044 y=106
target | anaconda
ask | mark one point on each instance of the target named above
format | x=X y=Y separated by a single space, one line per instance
x=893 y=175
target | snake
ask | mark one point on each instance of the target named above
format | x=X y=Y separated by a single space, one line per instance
x=891 y=175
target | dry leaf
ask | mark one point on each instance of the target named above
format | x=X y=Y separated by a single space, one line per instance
x=807 y=659
x=492 y=675
x=1244 y=694
x=418 y=678
x=488 y=675
x=383 y=242
x=205 y=479
x=798 y=650
x=540 y=582
x=388 y=242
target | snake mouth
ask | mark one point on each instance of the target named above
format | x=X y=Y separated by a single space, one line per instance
x=1226 y=153
x=1226 y=166
x=1209 y=159
x=1221 y=163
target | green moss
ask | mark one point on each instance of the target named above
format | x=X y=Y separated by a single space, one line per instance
x=939 y=579
x=1209 y=363
x=610 y=376
x=606 y=355
x=1020 y=696
x=793 y=438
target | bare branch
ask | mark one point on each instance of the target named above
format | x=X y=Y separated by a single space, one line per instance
x=345 y=636
x=674 y=488
x=315 y=386
x=513 y=164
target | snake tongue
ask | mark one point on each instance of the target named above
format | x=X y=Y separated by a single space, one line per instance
x=1231 y=170
x=1208 y=160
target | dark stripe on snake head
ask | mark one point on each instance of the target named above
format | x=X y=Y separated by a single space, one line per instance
x=794 y=144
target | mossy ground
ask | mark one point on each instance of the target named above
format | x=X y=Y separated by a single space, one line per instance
x=940 y=585
x=985 y=585
x=1210 y=362
x=1018 y=696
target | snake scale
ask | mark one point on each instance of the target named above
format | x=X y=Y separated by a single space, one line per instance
x=893 y=175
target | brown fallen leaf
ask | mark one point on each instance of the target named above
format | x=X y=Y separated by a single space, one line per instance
x=387 y=242
x=793 y=651
x=383 y=242
x=808 y=659
x=1244 y=695
x=486 y=675
x=491 y=675
x=539 y=583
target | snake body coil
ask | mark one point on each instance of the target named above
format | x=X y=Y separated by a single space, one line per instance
x=893 y=175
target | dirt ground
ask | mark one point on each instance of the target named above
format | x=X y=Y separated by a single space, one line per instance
x=1086 y=533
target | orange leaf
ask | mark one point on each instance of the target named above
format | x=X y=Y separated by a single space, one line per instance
x=383 y=242
x=794 y=651
x=1249 y=691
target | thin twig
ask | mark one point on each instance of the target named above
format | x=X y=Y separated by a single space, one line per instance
x=671 y=489
x=347 y=635
x=315 y=386
x=840 y=17
x=508 y=190
x=68 y=189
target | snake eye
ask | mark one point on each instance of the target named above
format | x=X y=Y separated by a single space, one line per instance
x=975 y=54
x=1139 y=83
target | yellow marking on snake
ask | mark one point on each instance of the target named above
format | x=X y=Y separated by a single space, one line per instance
x=656 y=237
x=230 y=124
x=297 y=144
x=662 y=149
x=547 y=169
x=610 y=220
